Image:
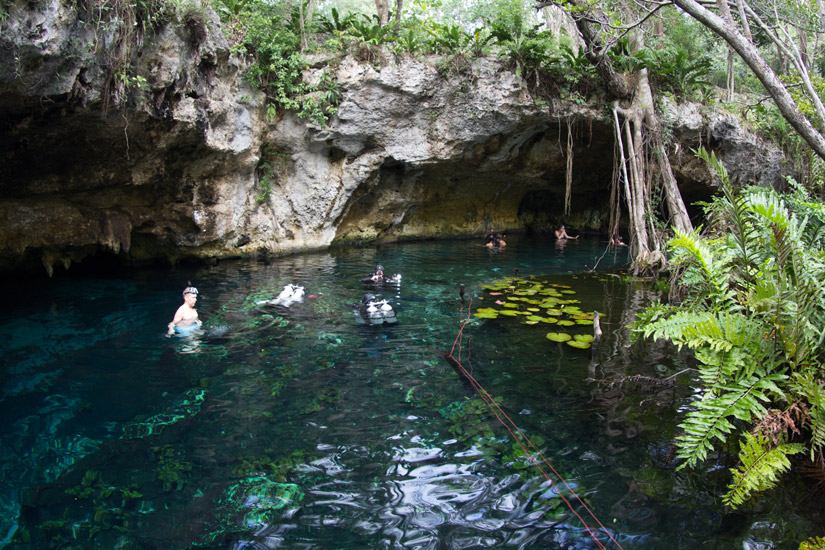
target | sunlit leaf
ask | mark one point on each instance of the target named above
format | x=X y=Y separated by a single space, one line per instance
x=558 y=336
x=578 y=344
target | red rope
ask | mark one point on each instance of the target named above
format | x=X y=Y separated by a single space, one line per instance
x=511 y=427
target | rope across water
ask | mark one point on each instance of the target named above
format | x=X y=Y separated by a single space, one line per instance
x=512 y=428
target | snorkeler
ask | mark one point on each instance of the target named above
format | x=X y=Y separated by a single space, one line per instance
x=497 y=242
x=374 y=310
x=186 y=317
x=378 y=278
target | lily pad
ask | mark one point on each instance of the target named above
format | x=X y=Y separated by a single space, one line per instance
x=549 y=320
x=587 y=338
x=535 y=318
x=578 y=344
x=508 y=312
x=584 y=322
x=486 y=315
x=558 y=336
x=487 y=310
x=566 y=323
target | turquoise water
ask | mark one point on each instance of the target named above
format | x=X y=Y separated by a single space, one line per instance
x=300 y=428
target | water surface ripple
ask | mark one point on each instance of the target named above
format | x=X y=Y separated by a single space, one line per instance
x=299 y=428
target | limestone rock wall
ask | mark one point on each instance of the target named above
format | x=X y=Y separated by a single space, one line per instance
x=184 y=164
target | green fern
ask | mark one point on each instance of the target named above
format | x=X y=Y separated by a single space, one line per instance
x=754 y=316
x=713 y=417
x=813 y=543
x=814 y=389
x=760 y=468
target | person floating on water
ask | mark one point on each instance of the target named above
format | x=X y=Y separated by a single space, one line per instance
x=561 y=234
x=378 y=277
x=186 y=317
x=489 y=237
x=374 y=310
x=617 y=241
x=497 y=242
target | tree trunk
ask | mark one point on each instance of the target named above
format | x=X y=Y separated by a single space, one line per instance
x=310 y=9
x=676 y=207
x=641 y=123
x=382 y=8
x=743 y=18
x=724 y=12
x=750 y=55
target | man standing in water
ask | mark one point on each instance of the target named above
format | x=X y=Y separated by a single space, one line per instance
x=186 y=317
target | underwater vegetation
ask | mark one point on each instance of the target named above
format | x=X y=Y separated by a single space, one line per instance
x=535 y=302
x=188 y=407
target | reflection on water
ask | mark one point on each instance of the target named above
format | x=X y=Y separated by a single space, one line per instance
x=296 y=427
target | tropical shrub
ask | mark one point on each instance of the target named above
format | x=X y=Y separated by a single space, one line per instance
x=273 y=40
x=335 y=23
x=754 y=316
x=672 y=69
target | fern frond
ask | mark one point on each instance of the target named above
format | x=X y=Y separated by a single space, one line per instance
x=813 y=390
x=760 y=468
x=689 y=248
x=813 y=543
x=712 y=417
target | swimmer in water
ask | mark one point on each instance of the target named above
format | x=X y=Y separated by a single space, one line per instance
x=186 y=316
x=497 y=242
x=378 y=276
x=561 y=234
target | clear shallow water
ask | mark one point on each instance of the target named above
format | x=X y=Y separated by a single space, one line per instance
x=299 y=428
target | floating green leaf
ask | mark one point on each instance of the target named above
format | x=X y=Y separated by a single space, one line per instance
x=578 y=344
x=558 y=336
x=486 y=315
x=566 y=323
x=587 y=338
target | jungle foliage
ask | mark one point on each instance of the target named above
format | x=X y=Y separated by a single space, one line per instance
x=274 y=38
x=753 y=313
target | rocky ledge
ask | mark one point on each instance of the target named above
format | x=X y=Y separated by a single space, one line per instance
x=183 y=163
